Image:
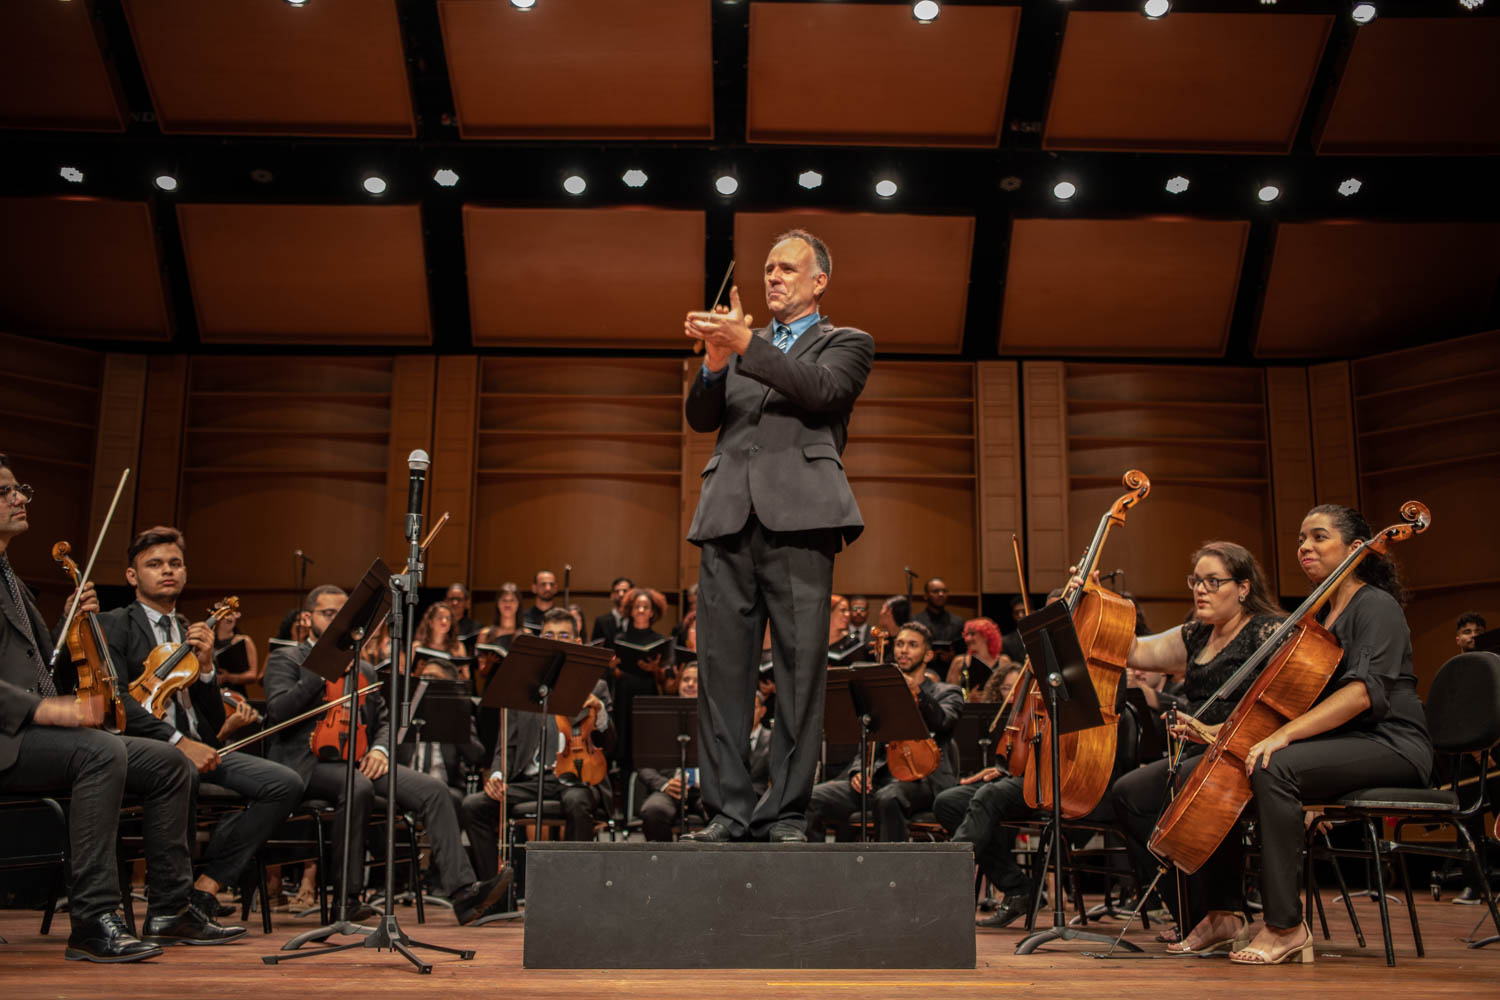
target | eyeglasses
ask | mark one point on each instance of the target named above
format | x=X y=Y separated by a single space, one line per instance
x=1209 y=583
x=25 y=491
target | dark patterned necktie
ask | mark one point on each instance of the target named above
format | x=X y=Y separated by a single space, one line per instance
x=783 y=338
x=43 y=675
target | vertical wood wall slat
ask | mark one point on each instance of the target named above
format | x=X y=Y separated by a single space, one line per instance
x=1289 y=421
x=1046 y=443
x=411 y=427
x=999 y=467
x=160 y=471
x=117 y=446
x=696 y=449
x=1335 y=460
x=451 y=482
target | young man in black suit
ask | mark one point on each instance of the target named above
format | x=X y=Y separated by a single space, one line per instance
x=615 y=620
x=775 y=507
x=156 y=566
x=50 y=744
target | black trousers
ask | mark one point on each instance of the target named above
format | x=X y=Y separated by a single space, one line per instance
x=481 y=817
x=992 y=806
x=271 y=791
x=659 y=813
x=420 y=793
x=97 y=769
x=745 y=579
x=891 y=805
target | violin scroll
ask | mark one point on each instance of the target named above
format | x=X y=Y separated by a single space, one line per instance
x=1138 y=483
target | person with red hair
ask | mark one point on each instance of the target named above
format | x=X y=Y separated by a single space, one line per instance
x=981 y=658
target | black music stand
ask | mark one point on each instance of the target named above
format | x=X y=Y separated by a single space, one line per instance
x=865 y=702
x=1071 y=705
x=664 y=733
x=972 y=734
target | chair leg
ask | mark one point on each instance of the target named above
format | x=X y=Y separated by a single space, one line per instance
x=416 y=869
x=1411 y=906
x=1373 y=832
x=264 y=888
x=1338 y=874
x=59 y=875
x=1310 y=892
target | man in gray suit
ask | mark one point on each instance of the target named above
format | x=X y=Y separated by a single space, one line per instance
x=775 y=508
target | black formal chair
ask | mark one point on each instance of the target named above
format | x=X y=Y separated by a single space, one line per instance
x=47 y=849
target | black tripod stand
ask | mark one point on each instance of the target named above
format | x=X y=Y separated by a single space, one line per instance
x=1072 y=705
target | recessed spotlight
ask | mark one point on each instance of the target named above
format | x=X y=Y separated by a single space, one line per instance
x=726 y=184
x=925 y=11
x=1350 y=186
x=1063 y=190
x=296 y=3
x=1177 y=185
x=375 y=184
x=1471 y=4
x=574 y=184
x=1268 y=192
x=71 y=174
x=1268 y=3
x=810 y=179
x=523 y=4
x=166 y=182
x=885 y=187
x=1363 y=13
x=1010 y=183
x=1156 y=8
x=445 y=177
x=634 y=178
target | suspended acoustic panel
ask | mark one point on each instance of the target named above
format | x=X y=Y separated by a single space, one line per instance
x=1157 y=286
x=307 y=274
x=1345 y=288
x=1232 y=83
x=530 y=269
x=870 y=74
x=331 y=67
x=1419 y=86
x=904 y=279
x=81 y=267
x=580 y=69
x=52 y=74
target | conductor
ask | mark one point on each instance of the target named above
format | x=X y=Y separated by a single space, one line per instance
x=775 y=507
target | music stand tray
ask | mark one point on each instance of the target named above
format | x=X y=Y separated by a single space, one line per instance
x=665 y=734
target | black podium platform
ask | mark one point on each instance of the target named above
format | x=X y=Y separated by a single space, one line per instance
x=749 y=906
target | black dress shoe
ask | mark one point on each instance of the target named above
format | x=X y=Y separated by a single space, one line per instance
x=713 y=833
x=206 y=905
x=786 y=833
x=1015 y=907
x=357 y=911
x=188 y=927
x=473 y=901
x=106 y=939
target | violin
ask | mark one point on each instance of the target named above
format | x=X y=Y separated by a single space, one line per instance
x=1299 y=658
x=580 y=759
x=908 y=760
x=98 y=681
x=170 y=668
x=329 y=739
x=1105 y=623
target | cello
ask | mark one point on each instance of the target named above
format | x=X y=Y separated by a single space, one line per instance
x=1299 y=658
x=1105 y=623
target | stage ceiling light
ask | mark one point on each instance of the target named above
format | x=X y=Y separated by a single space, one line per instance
x=1268 y=192
x=885 y=187
x=1156 y=8
x=165 y=182
x=296 y=3
x=1177 y=185
x=1363 y=13
x=445 y=177
x=634 y=178
x=925 y=11
x=1063 y=190
x=375 y=184
x=1471 y=4
x=1350 y=186
x=726 y=184
x=1010 y=183
x=574 y=184
x=810 y=179
x=523 y=4
x=71 y=174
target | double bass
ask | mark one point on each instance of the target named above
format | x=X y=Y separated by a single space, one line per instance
x=1105 y=623
x=1299 y=658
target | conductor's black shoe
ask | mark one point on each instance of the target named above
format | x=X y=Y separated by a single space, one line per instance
x=1014 y=907
x=713 y=833
x=188 y=927
x=473 y=901
x=786 y=833
x=106 y=939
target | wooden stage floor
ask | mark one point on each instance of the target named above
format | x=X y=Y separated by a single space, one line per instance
x=33 y=966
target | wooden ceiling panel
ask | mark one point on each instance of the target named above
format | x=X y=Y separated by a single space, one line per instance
x=547 y=277
x=1419 y=86
x=307 y=274
x=1346 y=288
x=1155 y=286
x=82 y=267
x=1189 y=82
x=870 y=74
x=580 y=69
x=52 y=74
x=904 y=279
x=331 y=67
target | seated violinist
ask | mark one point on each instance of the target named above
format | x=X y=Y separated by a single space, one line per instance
x=659 y=810
x=513 y=772
x=893 y=802
x=292 y=690
x=195 y=719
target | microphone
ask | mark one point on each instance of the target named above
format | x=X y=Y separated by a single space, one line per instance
x=303 y=556
x=911 y=572
x=417 y=462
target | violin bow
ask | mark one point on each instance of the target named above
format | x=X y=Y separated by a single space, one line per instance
x=1015 y=546
x=87 y=573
